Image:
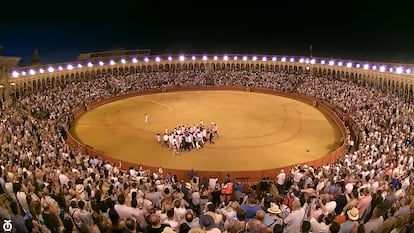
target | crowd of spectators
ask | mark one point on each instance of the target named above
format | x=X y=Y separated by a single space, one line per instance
x=46 y=186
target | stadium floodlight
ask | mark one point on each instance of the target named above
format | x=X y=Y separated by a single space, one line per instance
x=283 y=59
x=225 y=58
x=235 y=58
x=50 y=69
x=60 y=68
x=340 y=63
x=23 y=73
x=15 y=74
x=292 y=59
x=193 y=58
x=399 y=70
x=358 y=65
x=205 y=58
x=307 y=67
x=80 y=66
x=111 y=62
x=41 y=70
x=134 y=60
x=382 y=69
x=274 y=58
x=90 y=64
x=69 y=67
x=32 y=72
x=244 y=58
x=215 y=58
x=349 y=64
x=157 y=59
x=331 y=63
x=101 y=63
x=301 y=60
x=366 y=66
x=408 y=71
x=264 y=58
x=312 y=61
x=254 y=58
x=374 y=67
x=323 y=62
x=390 y=69
x=170 y=58
x=307 y=61
x=146 y=59
x=182 y=58
x=123 y=61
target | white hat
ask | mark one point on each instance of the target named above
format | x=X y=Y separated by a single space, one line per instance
x=168 y=230
x=274 y=209
x=187 y=185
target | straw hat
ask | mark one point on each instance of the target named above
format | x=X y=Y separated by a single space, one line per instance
x=168 y=230
x=79 y=188
x=274 y=209
x=353 y=214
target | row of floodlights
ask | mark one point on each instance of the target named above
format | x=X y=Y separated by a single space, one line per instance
x=50 y=69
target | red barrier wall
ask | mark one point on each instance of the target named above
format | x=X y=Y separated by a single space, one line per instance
x=245 y=176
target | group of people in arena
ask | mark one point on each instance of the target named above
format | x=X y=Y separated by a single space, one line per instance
x=46 y=186
x=185 y=138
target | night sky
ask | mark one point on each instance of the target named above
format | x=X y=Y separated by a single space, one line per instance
x=365 y=30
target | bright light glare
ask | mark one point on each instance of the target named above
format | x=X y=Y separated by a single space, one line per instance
x=193 y=58
x=41 y=70
x=101 y=63
x=157 y=59
x=301 y=60
x=169 y=58
x=245 y=58
x=399 y=70
x=292 y=59
x=50 y=69
x=264 y=58
x=90 y=64
x=323 y=62
x=313 y=61
x=215 y=58
x=60 y=68
x=254 y=58
x=134 y=60
x=340 y=63
x=69 y=67
x=23 y=73
x=123 y=61
x=182 y=58
x=358 y=66
x=331 y=63
x=32 y=72
x=374 y=67
x=408 y=71
x=111 y=62
x=382 y=68
x=79 y=66
x=146 y=59
x=205 y=58
x=283 y=59
x=225 y=58
x=349 y=64
x=366 y=66
x=273 y=58
x=15 y=74
x=235 y=58
x=391 y=69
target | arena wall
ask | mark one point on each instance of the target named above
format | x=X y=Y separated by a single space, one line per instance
x=245 y=176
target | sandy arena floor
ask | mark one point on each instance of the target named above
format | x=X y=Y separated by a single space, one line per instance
x=257 y=131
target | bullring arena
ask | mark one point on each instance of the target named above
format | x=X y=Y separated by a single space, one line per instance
x=259 y=137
